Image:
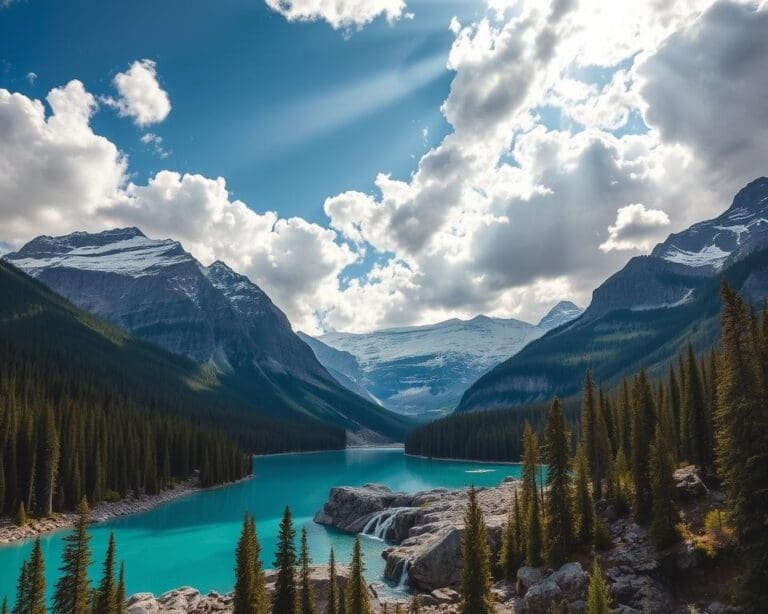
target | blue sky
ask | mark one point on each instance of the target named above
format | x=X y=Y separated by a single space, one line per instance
x=289 y=113
x=388 y=162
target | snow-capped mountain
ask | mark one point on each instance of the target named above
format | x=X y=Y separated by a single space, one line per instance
x=212 y=315
x=420 y=369
x=563 y=312
x=669 y=276
x=641 y=316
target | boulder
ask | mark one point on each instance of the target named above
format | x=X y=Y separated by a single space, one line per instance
x=572 y=580
x=688 y=483
x=527 y=577
x=542 y=597
x=445 y=595
x=439 y=562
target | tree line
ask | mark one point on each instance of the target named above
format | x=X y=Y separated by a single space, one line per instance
x=710 y=411
x=60 y=444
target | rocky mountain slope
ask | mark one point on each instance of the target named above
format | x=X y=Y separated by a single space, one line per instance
x=645 y=313
x=39 y=327
x=211 y=315
x=424 y=369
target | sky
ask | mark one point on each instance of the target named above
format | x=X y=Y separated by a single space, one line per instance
x=375 y=163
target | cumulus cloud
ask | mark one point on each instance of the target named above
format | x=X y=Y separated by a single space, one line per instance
x=506 y=215
x=31 y=77
x=140 y=95
x=339 y=13
x=155 y=143
x=635 y=228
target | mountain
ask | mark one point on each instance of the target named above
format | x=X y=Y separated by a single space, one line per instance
x=343 y=366
x=644 y=314
x=424 y=369
x=91 y=359
x=560 y=314
x=211 y=315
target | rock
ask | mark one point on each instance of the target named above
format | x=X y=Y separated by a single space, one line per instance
x=527 y=577
x=439 y=562
x=716 y=607
x=542 y=596
x=688 y=483
x=686 y=557
x=445 y=595
x=572 y=580
x=577 y=607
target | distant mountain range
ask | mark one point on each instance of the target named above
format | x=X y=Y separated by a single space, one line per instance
x=644 y=314
x=423 y=370
x=210 y=315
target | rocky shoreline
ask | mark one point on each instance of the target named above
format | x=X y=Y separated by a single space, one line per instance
x=10 y=533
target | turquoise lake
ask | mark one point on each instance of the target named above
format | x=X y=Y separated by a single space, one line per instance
x=191 y=541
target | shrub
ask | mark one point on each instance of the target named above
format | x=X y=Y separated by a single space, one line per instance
x=111 y=496
x=603 y=539
x=718 y=527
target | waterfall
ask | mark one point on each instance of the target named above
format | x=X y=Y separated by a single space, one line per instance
x=402 y=584
x=380 y=523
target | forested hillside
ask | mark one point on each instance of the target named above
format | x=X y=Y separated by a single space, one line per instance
x=86 y=409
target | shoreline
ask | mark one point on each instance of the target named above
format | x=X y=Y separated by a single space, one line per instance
x=461 y=460
x=11 y=534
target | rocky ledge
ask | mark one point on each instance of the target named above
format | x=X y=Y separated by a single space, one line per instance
x=188 y=600
x=425 y=527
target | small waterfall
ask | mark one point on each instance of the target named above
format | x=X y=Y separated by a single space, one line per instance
x=402 y=584
x=379 y=524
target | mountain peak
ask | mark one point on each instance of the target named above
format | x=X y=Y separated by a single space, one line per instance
x=752 y=196
x=563 y=312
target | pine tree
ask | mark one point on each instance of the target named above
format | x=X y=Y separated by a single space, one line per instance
x=332 y=598
x=4 y=609
x=664 y=515
x=48 y=462
x=22 y=590
x=476 y=571
x=598 y=594
x=533 y=537
x=306 y=597
x=121 y=590
x=559 y=510
x=36 y=581
x=106 y=597
x=21 y=516
x=357 y=591
x=415 y=607
x=584 y=506
x=285 y=597
x=742 y=444
x=342 y=601
x=593 y=437
x=72 y=594
x=695 y=410
x=250 y=593
x=643 y=419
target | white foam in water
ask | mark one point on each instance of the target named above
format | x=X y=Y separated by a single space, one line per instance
x=402 y=584
x=378 y=525
x=480 y=471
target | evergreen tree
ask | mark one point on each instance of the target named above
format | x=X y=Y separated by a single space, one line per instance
x=357 y=591
x=250 y=593
x=532 y=526
x=512 y=552
x=36 y=581
x=21 y=516
x=121 y=590
x=48 y=462
x=643 y=419
x=742 y=444
x=664 y=515
x=593 y=437
x=332 y=598
x=584 y=506
x=695 y=410
x=22 y=590
x=342 y=601
x=4 y=609
x=306 y=597
x=415 y=607
x=106 y=598
x=559 y=510
x=476 y=571
x=598 y=593
x=72 y=594
x=285 y=597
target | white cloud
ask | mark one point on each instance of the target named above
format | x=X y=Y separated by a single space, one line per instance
x=635 y=228
x=141 y=96
x=505 y=216
x=155 y=143
x=31 y=77
x=340 y=13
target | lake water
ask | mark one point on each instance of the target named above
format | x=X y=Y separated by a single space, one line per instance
x=191 y=541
